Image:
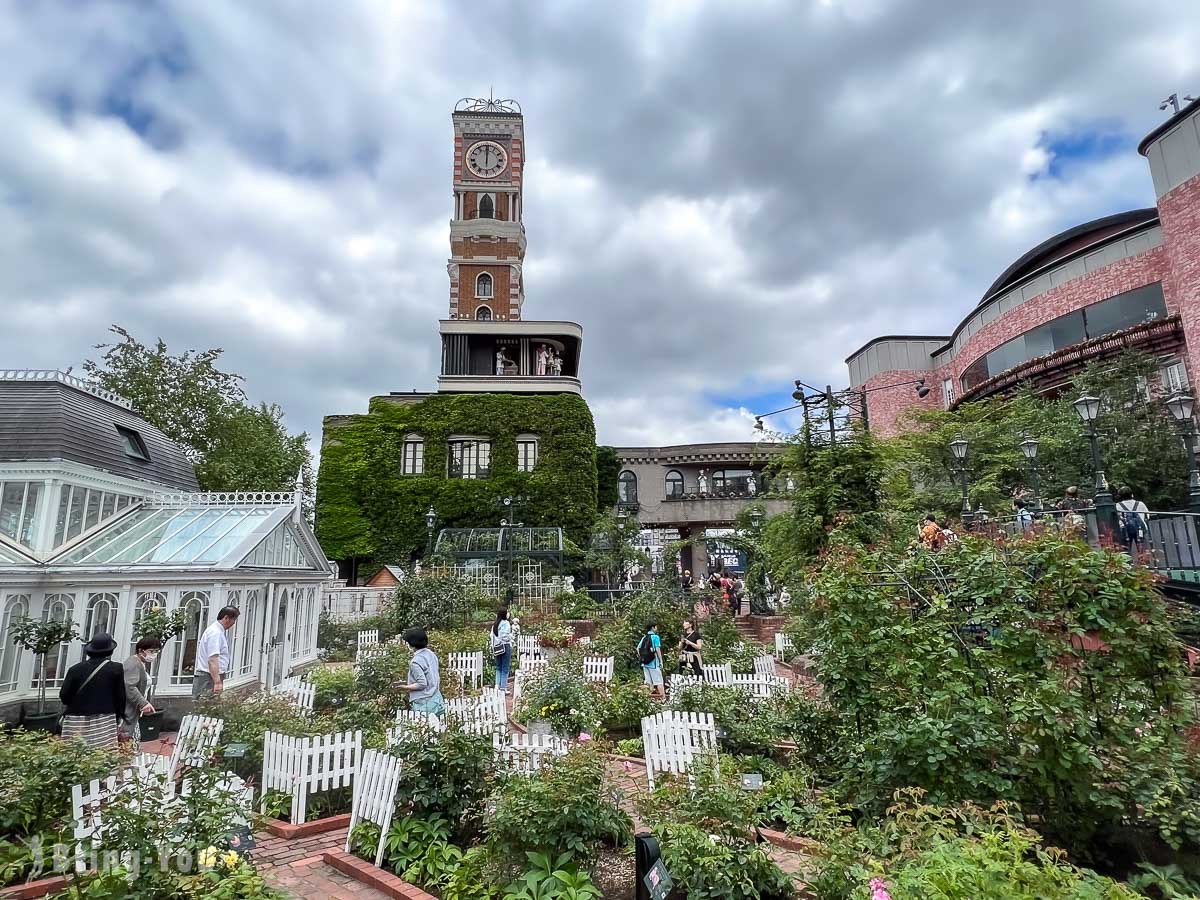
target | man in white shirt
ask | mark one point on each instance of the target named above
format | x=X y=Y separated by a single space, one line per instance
x=212 y=655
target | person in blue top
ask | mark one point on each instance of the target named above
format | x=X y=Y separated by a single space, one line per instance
x=502 y=641
x=650 y=654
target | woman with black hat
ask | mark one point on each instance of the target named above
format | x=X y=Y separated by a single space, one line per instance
x=93 y=695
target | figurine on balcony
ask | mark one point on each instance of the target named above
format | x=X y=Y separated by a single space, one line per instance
x=556 y=362
x=790 y=484
x=542 y=359
x=703 y=481
x=751 y=486
x=502 y=362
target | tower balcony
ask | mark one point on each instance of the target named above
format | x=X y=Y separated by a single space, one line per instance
x=519 y=357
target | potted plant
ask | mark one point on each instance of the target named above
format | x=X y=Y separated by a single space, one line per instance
x=553 y=637
x=40 y=638
x=157 y=622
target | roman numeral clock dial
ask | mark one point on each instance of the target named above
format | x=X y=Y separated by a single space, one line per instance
x=486 y=159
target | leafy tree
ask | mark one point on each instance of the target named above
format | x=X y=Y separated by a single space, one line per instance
x=233 y=444
x=608 y=467
x=1139 y=443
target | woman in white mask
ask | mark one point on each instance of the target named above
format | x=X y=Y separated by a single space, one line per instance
x=137 y=680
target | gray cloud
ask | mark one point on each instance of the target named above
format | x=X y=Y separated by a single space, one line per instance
x=726 y=196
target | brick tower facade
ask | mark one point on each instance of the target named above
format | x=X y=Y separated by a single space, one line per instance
x=487 y=236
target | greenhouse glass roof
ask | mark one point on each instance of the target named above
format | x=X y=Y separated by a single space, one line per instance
x=199 y=535
x=11 y=556
x=477 y=542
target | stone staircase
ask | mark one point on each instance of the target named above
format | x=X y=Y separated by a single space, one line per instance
x=760 y=628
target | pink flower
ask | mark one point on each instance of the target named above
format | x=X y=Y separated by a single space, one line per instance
x=879 y=889
x=1138 y=732
x=584 y=737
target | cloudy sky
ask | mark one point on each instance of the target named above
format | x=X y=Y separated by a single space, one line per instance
x=727 y=196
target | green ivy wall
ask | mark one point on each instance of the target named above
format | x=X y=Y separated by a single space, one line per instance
x=367 y=509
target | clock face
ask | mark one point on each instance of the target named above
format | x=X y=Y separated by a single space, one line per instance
x=486 y=159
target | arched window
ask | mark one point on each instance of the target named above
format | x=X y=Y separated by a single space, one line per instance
x=58 y=608
x=413 y=461
x=146 y=601
x=627 y=487
x=483 y=285
x=16 y=606
x=674 y=484
x=487 y=208
x=196 y=604
x=483 y=314
x=250 y=616
x=101 y=615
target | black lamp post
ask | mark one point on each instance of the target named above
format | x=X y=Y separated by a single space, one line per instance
x=1181 y=406
x=430 y=522
x=1088 y=408
x=756 y=520
x=1029 y=447
x=958 y=448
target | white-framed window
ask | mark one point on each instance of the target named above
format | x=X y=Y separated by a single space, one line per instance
x=143 y=602
x=469 y=458
x=674 y=484
x=16 y=606
x=57 y=608
x=413 y=460
x=249 y=616
x=1174 y=377
x=18 y=508
x=233 y=597
x=483 y=285
x=527 y=452
x=101 y=614
x=196 y=604
x=948 y=392
x=80 y=509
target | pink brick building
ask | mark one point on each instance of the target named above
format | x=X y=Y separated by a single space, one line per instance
x=1128 y=280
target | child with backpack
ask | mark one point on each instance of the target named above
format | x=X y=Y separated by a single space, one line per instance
x=1133 y=519
x=649 y=650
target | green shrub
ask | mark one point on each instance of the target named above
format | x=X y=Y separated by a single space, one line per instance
x=377 y=677
x=564 y=807
x=563 y=697
x=35 y=792
x=339 y=640
x=248 y=719
x=576 y=605
x=631 y=747
x=619 y=639
x=335 y=687
x=431 y=602
x=552 y=878
x=447 y=774
x=625 y=705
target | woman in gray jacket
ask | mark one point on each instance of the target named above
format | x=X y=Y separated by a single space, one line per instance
x=137 y=681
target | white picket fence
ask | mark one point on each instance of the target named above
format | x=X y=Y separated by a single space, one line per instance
x=760 y=686
x=527 y=645
x=599 y=668
x=525 y=753
x=363 y=654
x=764 y=665
x=368 y=638
x=300 y=766
x=375 y=796
x=196 y=741
x=679 y=681
x=673 y=741
x=484 y=714
x=408 y=721
x=468 y=667
x=301 y=692
x=721 y=675
x=783 y=647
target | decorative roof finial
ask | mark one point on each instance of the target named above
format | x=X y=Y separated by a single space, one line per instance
x=490 y=105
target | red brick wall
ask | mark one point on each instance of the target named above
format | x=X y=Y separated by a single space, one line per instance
x=1179 y=212
x=886 y=407
x=467 y=304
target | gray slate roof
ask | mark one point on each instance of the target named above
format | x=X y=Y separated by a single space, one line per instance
x=51 y=420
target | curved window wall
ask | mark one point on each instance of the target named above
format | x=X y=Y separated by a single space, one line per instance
x=1145 y=304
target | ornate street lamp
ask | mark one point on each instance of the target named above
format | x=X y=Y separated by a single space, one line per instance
x=958 y=448
x=1029 y=447
x=756 y=519
x=1088 y=408
x=430 y=522
x=622 y=518
x=1181 y=406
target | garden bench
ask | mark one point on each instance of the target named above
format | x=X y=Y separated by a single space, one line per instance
x=196 y=741
x=375 y=796
x=673 y=741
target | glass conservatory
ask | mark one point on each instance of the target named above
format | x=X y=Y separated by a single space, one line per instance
x=190 y=551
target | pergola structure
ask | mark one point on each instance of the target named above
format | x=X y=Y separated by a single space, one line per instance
x=493 y=545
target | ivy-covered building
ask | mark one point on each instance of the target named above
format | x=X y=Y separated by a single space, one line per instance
x=508 y=419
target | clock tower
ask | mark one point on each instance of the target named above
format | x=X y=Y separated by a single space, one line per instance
x=487 y=236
